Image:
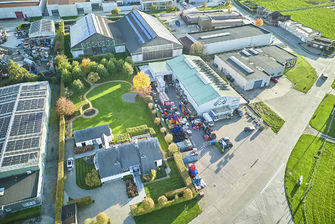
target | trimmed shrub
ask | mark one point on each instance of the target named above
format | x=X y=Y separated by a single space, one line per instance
x=188 y=195
x=138 y=130
x=154 y=112
x=152 y=132
x=173 y=148
x=162 y=200
x=148 y=99
x=92 y=179
x=150 y=105
x=171 y=194
x=148 y=204
x=168 y=138
x=182 y=169
x=128 y=177
x=157 y=121
x=153 y=174
x=124 y=137
x=81 y=202
x=163 y=130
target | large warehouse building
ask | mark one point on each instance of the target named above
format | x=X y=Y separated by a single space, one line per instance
x=64 y=8
x=140 y=34
x=229 y=39
x=253 y=68
x=10 y=9
x=24 y=114
x=203 y=87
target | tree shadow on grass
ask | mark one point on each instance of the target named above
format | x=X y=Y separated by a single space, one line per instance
x=294 y=190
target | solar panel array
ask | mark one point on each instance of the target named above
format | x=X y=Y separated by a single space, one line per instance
x=21 y=123
x=23 y=144
x=27 y=124
x=31 y=104
x=19 y=159
x=7 y=107
x=4 y=123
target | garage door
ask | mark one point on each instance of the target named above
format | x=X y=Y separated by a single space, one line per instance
x=258 y=84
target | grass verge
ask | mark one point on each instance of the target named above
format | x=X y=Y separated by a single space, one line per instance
x=321 y=117
x=214 y=7
x=333 y=84
x=82 y=168
x=268 y=115
x=177 y=214
x=317 y=206
x=302 y=75
x=17 y=217
x=158 y=188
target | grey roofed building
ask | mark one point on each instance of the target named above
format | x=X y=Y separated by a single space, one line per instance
x=42 y=28
x=139 y=29
x=117 y=160
x=236 y=32
x=281 y=55
x=69 y=214
x=91 y=133
x=19 y=188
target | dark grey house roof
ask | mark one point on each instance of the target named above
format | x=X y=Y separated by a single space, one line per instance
x=18 y=188
x=69 y=214
x=138 y=29
x=113 y=161
x=91 y=133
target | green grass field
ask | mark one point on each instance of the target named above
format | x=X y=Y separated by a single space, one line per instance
x=274 y=5
x=321 y=19
x=268 y=115
x=156 y=189
x=318 y=206
x=302 y=75
x=82 y=168
x=117 y=113
x=214 y=7
x=177 y=214
x=321 y=117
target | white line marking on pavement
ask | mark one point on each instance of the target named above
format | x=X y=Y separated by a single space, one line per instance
x=273 y=177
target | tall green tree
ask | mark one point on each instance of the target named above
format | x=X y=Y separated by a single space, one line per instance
x=93 y=66
x=128 y=68
x=77 y=84
x=102 y=71
x=77 y=73
x=111 y=66
x=66 y=77
x=19 y=74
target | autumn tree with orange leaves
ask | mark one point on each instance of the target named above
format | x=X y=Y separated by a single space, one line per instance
x=65 y=107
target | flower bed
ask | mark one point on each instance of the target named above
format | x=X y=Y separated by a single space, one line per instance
x=131 y=186
x=78 y=150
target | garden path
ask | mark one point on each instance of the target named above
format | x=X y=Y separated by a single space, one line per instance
x=93 y=86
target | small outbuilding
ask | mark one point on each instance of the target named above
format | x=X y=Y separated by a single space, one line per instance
x=99 y=135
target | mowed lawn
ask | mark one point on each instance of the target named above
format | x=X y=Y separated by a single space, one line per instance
x=82 y=169
x=268 y=115
x=321 y=19
x=274 y=5
x=156 y=189
x=321 y=117
x=319 y=205
x=117 y=113
x=177 y=214
x=302 y=75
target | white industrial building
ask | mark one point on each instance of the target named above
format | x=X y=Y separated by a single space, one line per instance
x=21 y=9
x=253 y=68
x=304 y=33
x=161 y=4
x=229 y=39
x=64 y=8
x=203 y=87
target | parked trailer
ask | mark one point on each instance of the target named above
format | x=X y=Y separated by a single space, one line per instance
x=190 y=157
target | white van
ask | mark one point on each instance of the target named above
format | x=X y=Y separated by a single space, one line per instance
x=208 y=119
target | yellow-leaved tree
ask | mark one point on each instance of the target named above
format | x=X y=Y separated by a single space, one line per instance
x=141 y=83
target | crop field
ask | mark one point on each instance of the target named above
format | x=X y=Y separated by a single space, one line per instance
x=274 y=5
x=322 y=19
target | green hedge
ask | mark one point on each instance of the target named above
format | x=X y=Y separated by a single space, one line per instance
x=218 y=145
x=16 y=217
x=139 y=130
x=182 y=169
x=59 y=38
x=128 y=177
x=124 y=137
x=152 y=132
x=60 y=173
x=81 y=202
x=178 y=191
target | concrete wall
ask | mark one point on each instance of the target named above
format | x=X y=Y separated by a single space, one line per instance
x=108 y=6
x=237 y=44
x=137 y=58
x=120 y=49
x=30 y=11
x=177 y=52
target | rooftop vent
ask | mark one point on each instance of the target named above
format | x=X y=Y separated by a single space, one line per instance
x=214 y=35
x=241 y=65
x=245 y=53
x=253 y=51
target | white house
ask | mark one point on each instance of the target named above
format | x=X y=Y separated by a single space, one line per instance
x=20 y=9
x=64 y=8
x=229 y=39
x=125 y=159
x=100 y=135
